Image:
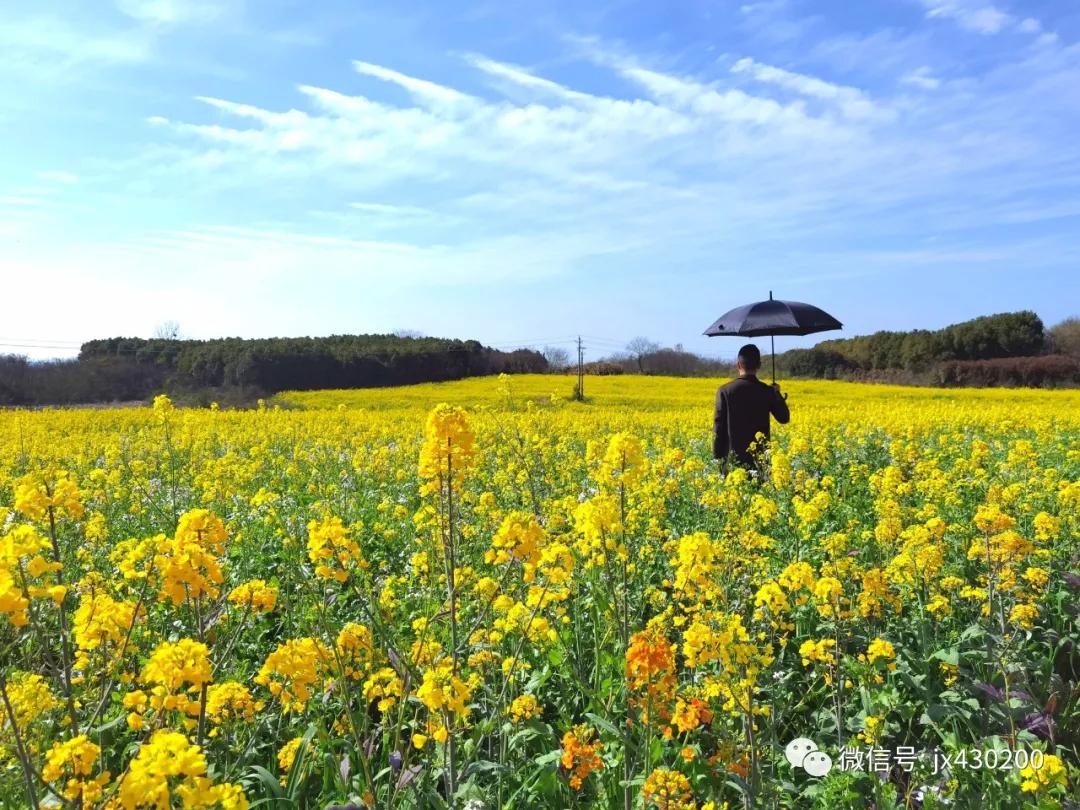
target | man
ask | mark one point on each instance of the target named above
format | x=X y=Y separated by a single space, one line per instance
x=742 y=410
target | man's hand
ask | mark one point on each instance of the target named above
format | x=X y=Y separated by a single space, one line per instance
x=776 y=388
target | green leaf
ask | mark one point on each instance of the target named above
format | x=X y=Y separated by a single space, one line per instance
x=949 y=656
x=295 y=781
x=548 y=758
x=604 y=724
x=116 y=721
x=972 y=632
x=267 y=780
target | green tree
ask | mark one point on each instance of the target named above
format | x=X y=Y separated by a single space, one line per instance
x=1064 y=338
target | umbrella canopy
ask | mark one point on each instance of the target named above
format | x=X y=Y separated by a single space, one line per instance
x=773 y=317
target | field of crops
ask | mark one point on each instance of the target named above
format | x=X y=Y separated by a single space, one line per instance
x=514 y=600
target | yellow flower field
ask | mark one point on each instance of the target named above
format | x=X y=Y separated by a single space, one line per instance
x=482 y=594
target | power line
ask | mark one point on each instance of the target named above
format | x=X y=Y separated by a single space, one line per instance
x=530 y=343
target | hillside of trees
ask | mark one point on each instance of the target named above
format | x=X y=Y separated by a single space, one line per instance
x=1008 y=349
x=119 y=369
x=643 y=356
x=1012 y=334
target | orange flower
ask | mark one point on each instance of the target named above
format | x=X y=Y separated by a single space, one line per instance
x=581 y=754
x=650 y=669
x=691 y=714
x=667 y=790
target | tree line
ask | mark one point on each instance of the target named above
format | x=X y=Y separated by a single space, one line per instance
x=644 y=356
x=1010 y=348
x=135 y=368
x=1005 y=349
x=1010 y=334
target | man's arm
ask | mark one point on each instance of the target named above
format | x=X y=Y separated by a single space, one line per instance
x=720 y=431
x=779 y=406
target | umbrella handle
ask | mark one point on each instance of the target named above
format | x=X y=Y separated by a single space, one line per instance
x=772 y=347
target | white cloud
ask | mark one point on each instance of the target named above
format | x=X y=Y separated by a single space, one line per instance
x=523 y=78
x=733 y=106
x=1030 y=26
x=424 y=91
x=537 y=178
x=444 y=131
x=47 y=46
x=762 y=160
x=290 y=118
x=971 y=16
x=852 y=102
x=391 y=210
x=922 y=77
x=169 y=12
x=767 y=6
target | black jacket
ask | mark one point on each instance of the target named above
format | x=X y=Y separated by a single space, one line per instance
x=742 y=411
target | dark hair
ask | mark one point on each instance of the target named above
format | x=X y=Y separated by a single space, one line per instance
x=750 y=357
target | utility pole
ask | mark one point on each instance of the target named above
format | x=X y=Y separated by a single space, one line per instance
x=579 y=391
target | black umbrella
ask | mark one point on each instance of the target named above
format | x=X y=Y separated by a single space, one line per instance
x=773 y=318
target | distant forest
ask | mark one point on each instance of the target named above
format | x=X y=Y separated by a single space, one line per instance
x=237 y=370
x=1008 y=349
x=1011 y=348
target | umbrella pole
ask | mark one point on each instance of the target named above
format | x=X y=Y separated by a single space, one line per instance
x=772 y=346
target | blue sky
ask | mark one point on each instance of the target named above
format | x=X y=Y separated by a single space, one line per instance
x=524 y=172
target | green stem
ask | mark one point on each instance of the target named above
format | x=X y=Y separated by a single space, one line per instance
x=65 y=641
x=451 y=589
x=20 y=752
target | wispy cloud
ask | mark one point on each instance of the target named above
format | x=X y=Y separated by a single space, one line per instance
x=170 y=12
x=987 y=19
x=973 y=16
x=921 y=77
x=386 y=209
x=523 y=78
x=539 y=179
x=765 y=157
x=850 y=101
x=49 y=45
x=425 y=92
x=933 y=144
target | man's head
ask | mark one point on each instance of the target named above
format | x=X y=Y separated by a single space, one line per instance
x=749 y=360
